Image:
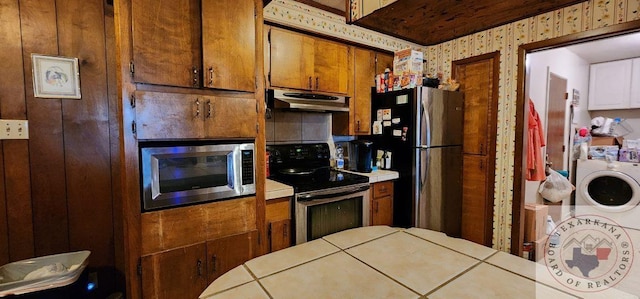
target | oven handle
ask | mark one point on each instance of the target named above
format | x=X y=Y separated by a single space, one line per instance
x=336 y=194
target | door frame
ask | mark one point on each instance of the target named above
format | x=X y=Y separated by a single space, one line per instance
x=522 y=110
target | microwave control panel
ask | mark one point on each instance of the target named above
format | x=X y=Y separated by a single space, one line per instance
x=247 y=167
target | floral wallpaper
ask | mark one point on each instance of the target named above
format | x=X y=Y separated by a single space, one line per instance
x=507 y=38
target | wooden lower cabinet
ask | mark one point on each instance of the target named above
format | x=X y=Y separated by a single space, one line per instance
x=176 y=273
x=382 y=203
x=278 y=218
x=229 y=252
x=185 y=272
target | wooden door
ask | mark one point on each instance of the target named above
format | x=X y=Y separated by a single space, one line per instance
x=475 y=211
x=169 y=115
x=478 y=90
x=177 y=273
x=556 y=109
x=478 y=77
x=227 y=253
x=279 y=234
x=330 y=66
x=291 y=59
x=383 y=61
x=229 y=47
x=167 y=42
x=230 y=117
x=364 y=72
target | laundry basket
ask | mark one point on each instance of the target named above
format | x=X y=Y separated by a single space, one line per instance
x=58 y=276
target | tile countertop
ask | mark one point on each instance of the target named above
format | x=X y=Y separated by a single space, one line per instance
x=386 y=262
x=277 y=190
x=378 y=175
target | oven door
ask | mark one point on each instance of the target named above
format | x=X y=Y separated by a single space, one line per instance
x=323 y=212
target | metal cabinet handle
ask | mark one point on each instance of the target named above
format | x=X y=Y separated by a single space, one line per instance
x=358 y=126
x=210 y=76
x=199 y=265
x=197 y=107
x=213 y=264
x=209 y=109
x=317 y=83
x=196 y=80
x=310 y=86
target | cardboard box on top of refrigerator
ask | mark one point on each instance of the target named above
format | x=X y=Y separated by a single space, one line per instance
x=408 y=61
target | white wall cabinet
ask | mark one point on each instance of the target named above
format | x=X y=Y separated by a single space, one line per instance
x=615 y=85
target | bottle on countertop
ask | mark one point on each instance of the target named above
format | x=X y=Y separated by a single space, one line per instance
x=387 y=160
x=339 y=157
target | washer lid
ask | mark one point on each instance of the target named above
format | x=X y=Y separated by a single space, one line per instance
x=610 y=191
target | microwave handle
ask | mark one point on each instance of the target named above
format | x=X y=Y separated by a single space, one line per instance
x=231 y=171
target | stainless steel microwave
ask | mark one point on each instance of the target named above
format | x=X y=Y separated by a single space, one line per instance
x=175 y=175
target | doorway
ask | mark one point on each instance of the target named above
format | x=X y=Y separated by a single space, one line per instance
x=523 y=92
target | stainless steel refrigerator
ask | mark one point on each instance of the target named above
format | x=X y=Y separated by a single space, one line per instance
x=422 y=128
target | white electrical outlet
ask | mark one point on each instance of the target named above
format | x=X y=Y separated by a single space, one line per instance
x=14 y=129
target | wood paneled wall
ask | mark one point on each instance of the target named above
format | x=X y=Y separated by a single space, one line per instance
x=59 y=187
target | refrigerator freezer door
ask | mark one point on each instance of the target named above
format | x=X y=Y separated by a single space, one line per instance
x=440 y=118
x=438 y=189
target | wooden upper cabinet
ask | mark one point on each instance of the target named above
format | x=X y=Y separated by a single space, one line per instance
x=303 y=62
x=291 y=59
x=229 y=47
x=383 y=61
x=191 y=43
x=231 y=117
x=364 y=73
x=176 y=273
x=330 y=66
x=167 y=42
x=175 y=115
x=169 y=115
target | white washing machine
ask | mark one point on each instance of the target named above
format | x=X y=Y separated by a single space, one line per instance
x=610 y=190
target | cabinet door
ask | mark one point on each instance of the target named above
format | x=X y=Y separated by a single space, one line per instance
x=477 y=217
x=166 y=42
x=229 y=48
x=382 y=211
x=478 y=105
x=610 y=85
x=230 y=117
x=177 y=273
x=382 y=203
x=291 y=60
x=635 y=84
x=383 y=61
x=169 y=115
x=364 y=73
x=279 y=234
x=227 y=253
x=330 y=66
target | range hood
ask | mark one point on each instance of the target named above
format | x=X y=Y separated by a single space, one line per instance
x=306 y=101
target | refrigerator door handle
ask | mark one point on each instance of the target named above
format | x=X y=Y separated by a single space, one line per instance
x=426 y=123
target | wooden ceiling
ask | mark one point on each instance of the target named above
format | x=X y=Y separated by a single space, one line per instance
x=432 y=22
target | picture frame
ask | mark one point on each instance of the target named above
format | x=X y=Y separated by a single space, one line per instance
x=55 y=77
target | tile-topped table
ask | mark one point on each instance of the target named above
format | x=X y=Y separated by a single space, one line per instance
x=386 y=262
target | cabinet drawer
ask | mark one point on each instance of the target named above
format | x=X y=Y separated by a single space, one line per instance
x=382 y=189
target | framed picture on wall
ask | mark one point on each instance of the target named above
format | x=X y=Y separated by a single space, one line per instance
x=55 y=77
